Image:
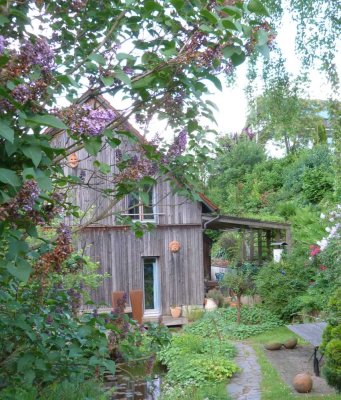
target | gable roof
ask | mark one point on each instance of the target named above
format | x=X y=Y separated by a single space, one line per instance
x=92 y=95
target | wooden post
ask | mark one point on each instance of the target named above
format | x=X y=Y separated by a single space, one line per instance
x=288 y=239
x=252 y=245
x=260 y=247
x=268 y=244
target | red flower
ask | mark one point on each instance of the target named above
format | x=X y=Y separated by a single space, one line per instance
x=314 y=250
x=323 y=267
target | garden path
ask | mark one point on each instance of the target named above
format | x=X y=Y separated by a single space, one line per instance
x=246 y=384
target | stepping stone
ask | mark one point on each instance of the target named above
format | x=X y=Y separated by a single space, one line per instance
x=245 y=385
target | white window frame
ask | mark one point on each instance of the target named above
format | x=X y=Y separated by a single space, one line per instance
x=141 y=214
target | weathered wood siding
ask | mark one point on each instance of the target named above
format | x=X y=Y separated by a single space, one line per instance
x=121 y=254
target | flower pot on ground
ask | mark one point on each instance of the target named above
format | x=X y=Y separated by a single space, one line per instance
x=210 y=305
x=175 y=311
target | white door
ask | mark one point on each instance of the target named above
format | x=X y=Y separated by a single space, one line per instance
x=151 y=287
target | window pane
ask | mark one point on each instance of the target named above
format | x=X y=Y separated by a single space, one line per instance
x=133 y=208
x=149 y=284
x=148 y=212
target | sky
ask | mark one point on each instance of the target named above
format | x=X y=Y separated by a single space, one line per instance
x=232 y=102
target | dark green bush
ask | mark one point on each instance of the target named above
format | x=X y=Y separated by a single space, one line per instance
x=331 y=345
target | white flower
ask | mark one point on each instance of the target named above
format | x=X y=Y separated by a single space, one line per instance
x=328 y=229
x=322 y=216
x=322 y=243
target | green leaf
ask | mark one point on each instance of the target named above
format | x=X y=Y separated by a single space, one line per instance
x=238 y=59
x=230 y=50
x=97 y=58
x=228 y=24
x=6 y=131
x=47 y=120
x=9 y=177
x=210 y=16
x=233 y=11
x=22 y=271
x=258 y=8
x=215 y=81
x=107 y=80
x=262 y=37
x=110 y=366
x=122 y=76
x=93 y=145
x=3 y=20
x=34 y=153
x=264 y=50
x=125 y=56
x=140 y=83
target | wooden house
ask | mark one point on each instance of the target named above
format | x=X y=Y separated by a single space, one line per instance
x=167 y=263
x=170 y=262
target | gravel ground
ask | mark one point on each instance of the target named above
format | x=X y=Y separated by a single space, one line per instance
x=292 y=362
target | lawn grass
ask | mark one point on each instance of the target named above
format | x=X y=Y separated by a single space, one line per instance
x=272 y=386
x=279 y=335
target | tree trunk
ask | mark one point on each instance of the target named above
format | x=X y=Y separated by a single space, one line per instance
x=239 y=306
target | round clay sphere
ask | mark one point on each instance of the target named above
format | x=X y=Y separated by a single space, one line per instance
x=303 y=383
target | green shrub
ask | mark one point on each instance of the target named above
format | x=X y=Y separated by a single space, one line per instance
x=190 y=392
x=223 y=323
x=279 y=284
x=316 y=183
x=89 y=390
x=195 y=360
x=331 y=345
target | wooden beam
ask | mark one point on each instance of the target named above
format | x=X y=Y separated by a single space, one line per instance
x=252 y=245
x=268 y=243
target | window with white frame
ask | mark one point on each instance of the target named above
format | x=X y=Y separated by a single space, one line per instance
x=141 y=204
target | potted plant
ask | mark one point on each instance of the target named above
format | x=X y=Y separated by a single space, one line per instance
x=175 y=311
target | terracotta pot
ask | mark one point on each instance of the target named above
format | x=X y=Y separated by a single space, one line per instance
x=291 y=343
x=175 y=312
x=273 y=346
x=303 y=383
x=210 y=305
x=136 y=300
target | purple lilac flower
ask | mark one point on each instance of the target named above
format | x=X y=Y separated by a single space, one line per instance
x=21 y=93
x=64 y=231
x=128 y=70
x=2 y=44
x=82 y=120
x=38 y=53
x=179 y=145
x=28 y=195
x=249 y=133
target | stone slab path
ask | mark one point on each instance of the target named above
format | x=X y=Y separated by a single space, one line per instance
x=246 y=384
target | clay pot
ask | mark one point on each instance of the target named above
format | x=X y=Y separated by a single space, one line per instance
x=273 y=346
x=291 y=343
x=303 y=383
x=175 y=312
x=136 y=300
x=210 y=304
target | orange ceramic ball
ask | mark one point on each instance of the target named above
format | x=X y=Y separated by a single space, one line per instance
x=303 y=383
